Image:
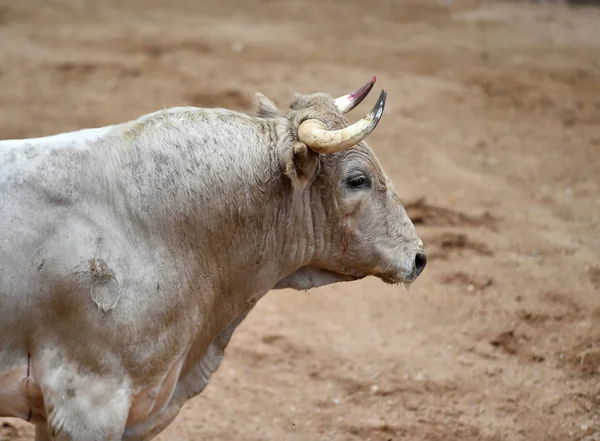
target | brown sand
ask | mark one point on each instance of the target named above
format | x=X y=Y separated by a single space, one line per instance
x=492 y=137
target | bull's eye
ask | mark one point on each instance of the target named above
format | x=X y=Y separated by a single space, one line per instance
x=358 y=182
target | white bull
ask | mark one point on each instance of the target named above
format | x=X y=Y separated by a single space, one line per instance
x=130 y=253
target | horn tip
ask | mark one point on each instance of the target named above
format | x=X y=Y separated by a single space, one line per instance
x=373 y=79
x=382 y=98
x=378 y=108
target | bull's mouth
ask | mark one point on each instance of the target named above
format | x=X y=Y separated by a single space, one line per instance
x=393 y=278
x=390 y=280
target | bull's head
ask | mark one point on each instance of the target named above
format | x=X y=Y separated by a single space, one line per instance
x=360 y=227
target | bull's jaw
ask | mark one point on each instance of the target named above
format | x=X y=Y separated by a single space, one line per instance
x=312 y=277
x=396 y=278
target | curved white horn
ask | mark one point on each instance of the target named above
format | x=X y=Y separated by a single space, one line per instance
x=348 y=102
x=319 y=139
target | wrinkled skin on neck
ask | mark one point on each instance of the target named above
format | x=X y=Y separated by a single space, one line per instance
x=360 y=227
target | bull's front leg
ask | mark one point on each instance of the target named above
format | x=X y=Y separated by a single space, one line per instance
x=189 y=386
x=80 y=405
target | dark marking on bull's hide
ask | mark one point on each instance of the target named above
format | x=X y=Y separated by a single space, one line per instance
x=70 y=392
x=31 y=152
x=100 y=270
x=30 y=414
x=10 y=156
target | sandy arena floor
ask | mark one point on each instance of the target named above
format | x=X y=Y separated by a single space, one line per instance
x=492 y=137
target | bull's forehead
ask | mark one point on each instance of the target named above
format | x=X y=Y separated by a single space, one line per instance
x=319 y=100
x=319 y=106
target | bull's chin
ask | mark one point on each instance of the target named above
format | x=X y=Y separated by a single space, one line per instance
x=392 y=278
x=390 y=281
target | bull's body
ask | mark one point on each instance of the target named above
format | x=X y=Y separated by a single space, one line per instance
x=129 y=254
x=96 y=225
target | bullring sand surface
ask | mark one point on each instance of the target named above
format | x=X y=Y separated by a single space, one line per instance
x=491 y=135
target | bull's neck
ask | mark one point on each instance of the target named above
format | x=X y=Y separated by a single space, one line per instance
x=253 y=236
x=244 y=235
x=216 y=191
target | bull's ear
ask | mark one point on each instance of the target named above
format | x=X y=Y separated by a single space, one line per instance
x=301 y=165
x=265 y=107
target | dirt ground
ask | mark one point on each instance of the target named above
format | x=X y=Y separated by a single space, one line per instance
x=491 y=135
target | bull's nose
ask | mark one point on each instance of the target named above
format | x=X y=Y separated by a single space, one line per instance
x=420 y=262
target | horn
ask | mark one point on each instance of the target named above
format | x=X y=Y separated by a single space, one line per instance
x=319 y=139
x=348 y=102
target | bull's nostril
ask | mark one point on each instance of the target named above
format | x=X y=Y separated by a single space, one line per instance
x=420 y=262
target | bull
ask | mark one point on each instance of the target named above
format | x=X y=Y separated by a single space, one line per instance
x=130 y=253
